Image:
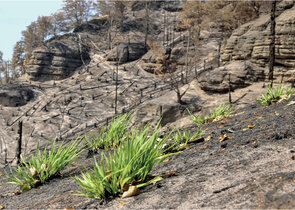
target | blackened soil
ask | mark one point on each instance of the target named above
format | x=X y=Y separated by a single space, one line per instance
x=253 y=167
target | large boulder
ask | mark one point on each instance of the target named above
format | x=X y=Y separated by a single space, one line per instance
x=127 y=52
x=57 y=59
x=15 y=95
x=242 y=74
x=251 y=40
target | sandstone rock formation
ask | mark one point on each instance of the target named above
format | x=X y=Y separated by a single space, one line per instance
x=251 y=42
x=242 y=74
x=58 y=59
x=15 y=95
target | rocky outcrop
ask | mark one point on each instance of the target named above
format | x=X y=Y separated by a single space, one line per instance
x=57 y=59
x=251 y=40
x=242 y=74
x=127 y=52
x=15 y=95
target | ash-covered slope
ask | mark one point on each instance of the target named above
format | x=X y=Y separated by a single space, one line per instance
x=253 y=168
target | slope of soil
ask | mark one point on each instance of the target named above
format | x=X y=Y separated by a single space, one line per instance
x=253 y=168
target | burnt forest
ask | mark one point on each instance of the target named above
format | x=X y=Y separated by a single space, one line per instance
x=151 y=105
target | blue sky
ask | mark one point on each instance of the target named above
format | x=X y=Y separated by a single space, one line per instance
x=15 y=15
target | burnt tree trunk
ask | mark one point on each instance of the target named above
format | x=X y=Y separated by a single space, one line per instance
x=187 y=49
x=146 y=23
x=116 y=91
x=19 y=143
x=272 y=41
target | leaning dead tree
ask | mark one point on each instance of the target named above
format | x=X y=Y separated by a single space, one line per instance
x=168 y=68
x=272 y=41
x=175 y=85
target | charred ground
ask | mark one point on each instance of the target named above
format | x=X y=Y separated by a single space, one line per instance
x=252 y=168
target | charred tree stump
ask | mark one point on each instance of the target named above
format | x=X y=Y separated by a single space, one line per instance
x=196 y=72
x=229 y=89
x=161 y=111
x=5 y=156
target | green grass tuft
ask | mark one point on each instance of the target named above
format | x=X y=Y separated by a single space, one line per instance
x=130 y=162
x=274 y=95
x=222 y=111
x=110 y=137
x=43 y=166
x=181 y=139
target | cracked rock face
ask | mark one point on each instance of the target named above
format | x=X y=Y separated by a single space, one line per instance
x=57 y=60
x=15 y=95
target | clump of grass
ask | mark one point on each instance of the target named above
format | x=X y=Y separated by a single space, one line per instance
x=181 y=139
x=44 y=166
x=274 y=95
x=222 y=111
x=130 y=163
x=110 y=137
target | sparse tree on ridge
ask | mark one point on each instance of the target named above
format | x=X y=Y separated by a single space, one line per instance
x=76 y=12
x=34 y=36
x=228 y=15
x=114 y=12
x=18 y=58
x=58 y=24
x=31 y=39
x=5 y=69
x=106 y=8
x=72 y=14
x=44 y=27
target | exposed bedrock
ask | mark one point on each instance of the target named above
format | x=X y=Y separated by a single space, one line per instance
x=242 y=74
